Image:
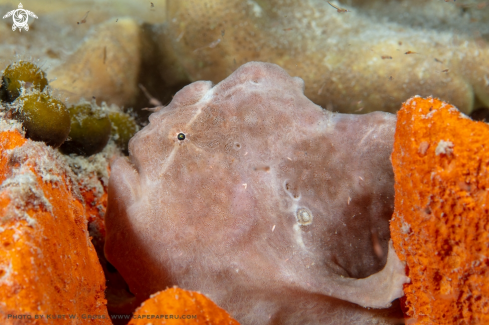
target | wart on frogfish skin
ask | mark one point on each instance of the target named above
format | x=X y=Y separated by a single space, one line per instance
x=304 y=216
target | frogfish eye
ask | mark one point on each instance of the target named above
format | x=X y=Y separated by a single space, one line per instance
x=181 y=136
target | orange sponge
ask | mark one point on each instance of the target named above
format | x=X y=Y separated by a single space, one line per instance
x=49 y=271
x=440 y=225
x=178 y=307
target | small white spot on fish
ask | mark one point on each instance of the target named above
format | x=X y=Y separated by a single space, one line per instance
x=360 y=178
x=304 y=217
x=214 y=44
x=245 y=185
x=349 y=200
x=179 y=37
x=273 y=228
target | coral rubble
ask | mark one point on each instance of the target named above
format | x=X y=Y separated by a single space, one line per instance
x=440 y=225
x=48 y=265
x=370 y=58
x=110 y=55
x=253 y=195
x=190 y=307
x=355 y=61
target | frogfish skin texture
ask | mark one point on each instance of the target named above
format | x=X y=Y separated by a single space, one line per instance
x=271 y=206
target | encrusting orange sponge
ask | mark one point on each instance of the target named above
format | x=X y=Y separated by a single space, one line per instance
x=49 y=270
x=176 y=306
x=440 y=225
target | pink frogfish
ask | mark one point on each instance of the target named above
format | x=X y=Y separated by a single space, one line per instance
x=250 y=193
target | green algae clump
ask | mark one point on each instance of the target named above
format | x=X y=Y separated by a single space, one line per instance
x=90 y=130
x=21 y=74
x=123 y=128
x=44 y=118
